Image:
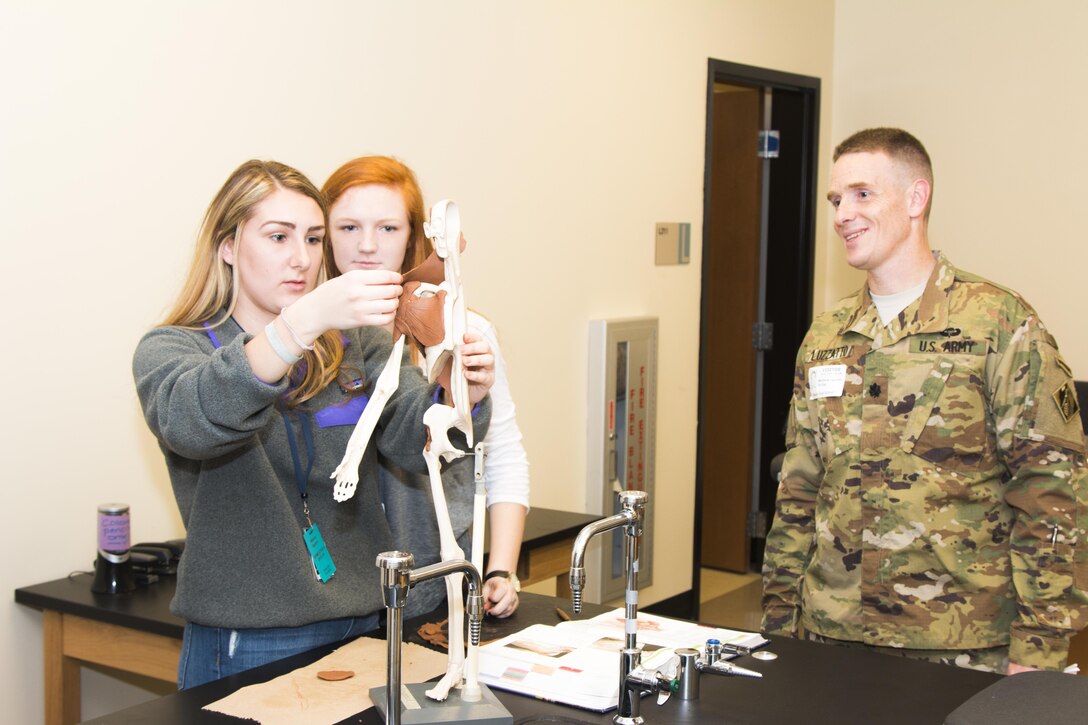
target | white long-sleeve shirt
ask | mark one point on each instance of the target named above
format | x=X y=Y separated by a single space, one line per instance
x=506 y=466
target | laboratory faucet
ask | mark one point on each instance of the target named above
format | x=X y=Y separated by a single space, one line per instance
x=397 y=577
x=694 y=663
x=633 y=680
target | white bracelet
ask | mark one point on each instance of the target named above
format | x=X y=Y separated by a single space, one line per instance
x=291 y=332
x=277 y=345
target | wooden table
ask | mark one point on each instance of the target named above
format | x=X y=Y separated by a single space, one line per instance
x=137 y=633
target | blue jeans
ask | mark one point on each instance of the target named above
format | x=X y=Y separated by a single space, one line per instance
x=209 y=653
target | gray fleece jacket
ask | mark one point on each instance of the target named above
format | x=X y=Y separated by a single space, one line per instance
x=225 y=441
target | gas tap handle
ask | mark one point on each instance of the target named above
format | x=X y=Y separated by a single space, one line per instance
x=650 y=681
x=664 y=693
x=663 y=686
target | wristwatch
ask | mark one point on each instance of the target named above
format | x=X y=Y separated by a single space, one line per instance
x=514 y=581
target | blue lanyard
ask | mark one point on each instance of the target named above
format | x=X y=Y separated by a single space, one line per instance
x=308 y=439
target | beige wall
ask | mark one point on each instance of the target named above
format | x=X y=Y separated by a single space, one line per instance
x=994 y=90
x=564 y=129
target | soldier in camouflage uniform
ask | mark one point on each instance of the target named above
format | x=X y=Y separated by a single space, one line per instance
x=933 y=494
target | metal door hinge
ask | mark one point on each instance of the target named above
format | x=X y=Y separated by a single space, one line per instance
x=763 y=335
x=757 y=524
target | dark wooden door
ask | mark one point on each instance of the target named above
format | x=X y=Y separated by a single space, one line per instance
x=727 y=392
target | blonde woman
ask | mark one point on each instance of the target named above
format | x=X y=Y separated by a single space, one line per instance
x=376 y=223
x=253 y=385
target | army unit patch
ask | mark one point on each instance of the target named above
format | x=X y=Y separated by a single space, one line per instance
x=1066 y=399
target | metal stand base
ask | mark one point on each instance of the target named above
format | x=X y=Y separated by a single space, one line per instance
x=418 y=708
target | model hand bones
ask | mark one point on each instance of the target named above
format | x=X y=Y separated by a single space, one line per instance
x=424 y=297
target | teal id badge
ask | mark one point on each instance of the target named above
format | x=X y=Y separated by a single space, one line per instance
x=319 y=554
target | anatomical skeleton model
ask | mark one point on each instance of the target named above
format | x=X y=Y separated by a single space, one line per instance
x=433 y=289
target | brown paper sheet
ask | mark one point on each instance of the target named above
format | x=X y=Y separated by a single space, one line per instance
x=300 y=696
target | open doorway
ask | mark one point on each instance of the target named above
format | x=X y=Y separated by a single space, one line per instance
x=758 y=242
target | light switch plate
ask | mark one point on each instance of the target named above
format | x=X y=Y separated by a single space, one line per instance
x=672 y=243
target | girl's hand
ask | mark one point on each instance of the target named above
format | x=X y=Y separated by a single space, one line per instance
x=479 y=365
x=500 y=597
x=358 y=298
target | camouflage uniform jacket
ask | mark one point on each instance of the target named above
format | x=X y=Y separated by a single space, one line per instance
x=939 y=501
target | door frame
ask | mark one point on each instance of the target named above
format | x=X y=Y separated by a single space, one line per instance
x=719 y=71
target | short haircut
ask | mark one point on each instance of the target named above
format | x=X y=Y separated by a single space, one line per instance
x=898 y=145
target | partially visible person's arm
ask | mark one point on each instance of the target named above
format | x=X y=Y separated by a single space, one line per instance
x=199 y=402
x=506 y=469
x=1015 y=669
x=1042 y=445
x=791 y=539
x=360 y=298
x=507 y=526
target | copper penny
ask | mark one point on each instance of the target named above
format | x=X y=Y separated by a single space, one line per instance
x=335 y=675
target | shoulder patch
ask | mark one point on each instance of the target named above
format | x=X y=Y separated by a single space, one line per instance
x=1065 y=397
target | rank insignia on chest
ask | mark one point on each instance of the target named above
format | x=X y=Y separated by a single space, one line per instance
x=1066 y=399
